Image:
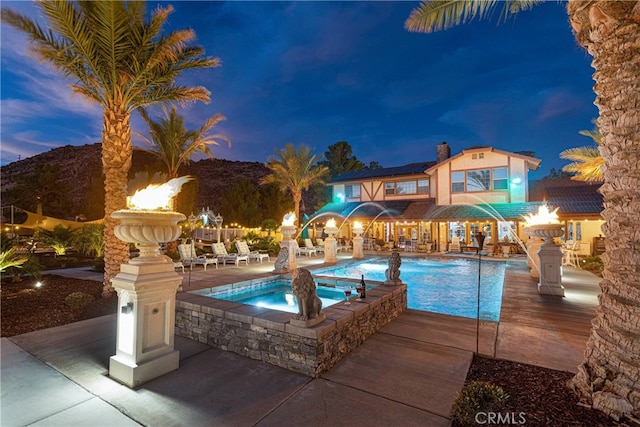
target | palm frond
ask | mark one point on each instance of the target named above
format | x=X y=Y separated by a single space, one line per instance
x=436 y=15
x=586 y=163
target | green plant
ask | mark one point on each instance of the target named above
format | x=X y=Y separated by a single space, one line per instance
x=78 y=300
x=593 y=264
x=10 y=259
x=60 y=238
x=89 y=239
x=268 y=244
x=251 y=237
x=15 y=264
x=269 y=225
x=98 y=264
x=477 y=396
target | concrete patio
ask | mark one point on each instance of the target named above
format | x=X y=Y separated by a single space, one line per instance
x=406 y=374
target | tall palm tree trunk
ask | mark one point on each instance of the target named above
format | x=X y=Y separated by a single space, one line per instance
x=116 y=161
x=609 y=376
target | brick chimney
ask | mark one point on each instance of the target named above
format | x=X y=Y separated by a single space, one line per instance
x=443 y=152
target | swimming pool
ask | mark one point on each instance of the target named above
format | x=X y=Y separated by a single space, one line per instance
x=446 y=286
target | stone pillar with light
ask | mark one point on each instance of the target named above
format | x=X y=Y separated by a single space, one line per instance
x=545 y=225
x=550 y=256
x=358 y=246
x=288 y=229
x=330 y=244
x=146 y=288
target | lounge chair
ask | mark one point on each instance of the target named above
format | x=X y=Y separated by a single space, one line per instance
x=188 y=256
x=309 y=245
x=303 y=251
x=243 y=249
x=221 y=253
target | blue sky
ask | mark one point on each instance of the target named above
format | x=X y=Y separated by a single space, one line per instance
x=316 y=73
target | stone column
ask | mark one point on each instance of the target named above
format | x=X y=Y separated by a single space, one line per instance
x=146 y=288
x=550 y=260
x=330 y=246
x=358 y=243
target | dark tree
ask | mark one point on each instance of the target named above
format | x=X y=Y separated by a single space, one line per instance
x=339 y=159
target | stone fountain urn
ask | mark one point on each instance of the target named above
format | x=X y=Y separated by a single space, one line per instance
x=549 y=258
x=288 y=230
x=146 y=288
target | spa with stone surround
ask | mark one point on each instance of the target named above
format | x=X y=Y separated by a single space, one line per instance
x=265 y=334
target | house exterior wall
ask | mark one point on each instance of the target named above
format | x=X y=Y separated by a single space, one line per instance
x=473 y=160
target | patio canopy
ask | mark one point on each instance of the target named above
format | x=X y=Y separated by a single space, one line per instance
x=427 y=210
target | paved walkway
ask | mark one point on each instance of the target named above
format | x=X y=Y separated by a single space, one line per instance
x=406 y=374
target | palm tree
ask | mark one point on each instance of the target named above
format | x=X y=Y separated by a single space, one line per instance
x=174 y=145
x=610 y=32
x=294 y=171
x=587 y=161
x=120 y=60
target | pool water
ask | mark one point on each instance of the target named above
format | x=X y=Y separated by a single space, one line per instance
x=277 y=295
x=446 y=286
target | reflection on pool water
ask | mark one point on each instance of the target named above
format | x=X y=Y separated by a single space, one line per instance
x=446 y=286
x=276 y=294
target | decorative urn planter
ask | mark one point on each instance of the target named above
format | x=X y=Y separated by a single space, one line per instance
x=148 y=229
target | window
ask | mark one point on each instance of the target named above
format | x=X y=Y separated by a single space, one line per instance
x=420 y=186
x=352 y=191
x=406 y=187
x=479 y=180
x=457 y=182
x=423 y=186
x=500 y=179
x=389 y=188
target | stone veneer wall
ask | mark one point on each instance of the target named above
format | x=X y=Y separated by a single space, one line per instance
x=267 y=335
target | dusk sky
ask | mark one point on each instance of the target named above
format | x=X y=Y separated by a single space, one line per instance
x=316 y=73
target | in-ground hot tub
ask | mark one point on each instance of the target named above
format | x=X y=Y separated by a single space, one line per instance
x=266 y=334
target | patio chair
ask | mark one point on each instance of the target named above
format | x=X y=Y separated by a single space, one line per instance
x=342 y=245
x=303 y=251
x=243 y=249
x=570 y=253
x=221 y=253
x=309 y=245
x=454 y=246
x=188 y=256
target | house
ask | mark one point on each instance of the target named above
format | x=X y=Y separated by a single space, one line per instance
x=425 y=205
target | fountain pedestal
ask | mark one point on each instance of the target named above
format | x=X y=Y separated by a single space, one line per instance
x=533 y=262
x=146 y=288
x=288 y=243
x=550 y=259
x=330 y=246
x=358 y=243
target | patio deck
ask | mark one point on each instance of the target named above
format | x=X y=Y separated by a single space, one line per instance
x=406 y=374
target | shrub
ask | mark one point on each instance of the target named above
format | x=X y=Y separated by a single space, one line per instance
x=477 y=396
x=78 y=300
x=98 y=264
x=593 y=264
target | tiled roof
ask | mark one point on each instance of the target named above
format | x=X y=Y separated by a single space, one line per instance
x=497 y=211
x=410 y=169
x=570 y=196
